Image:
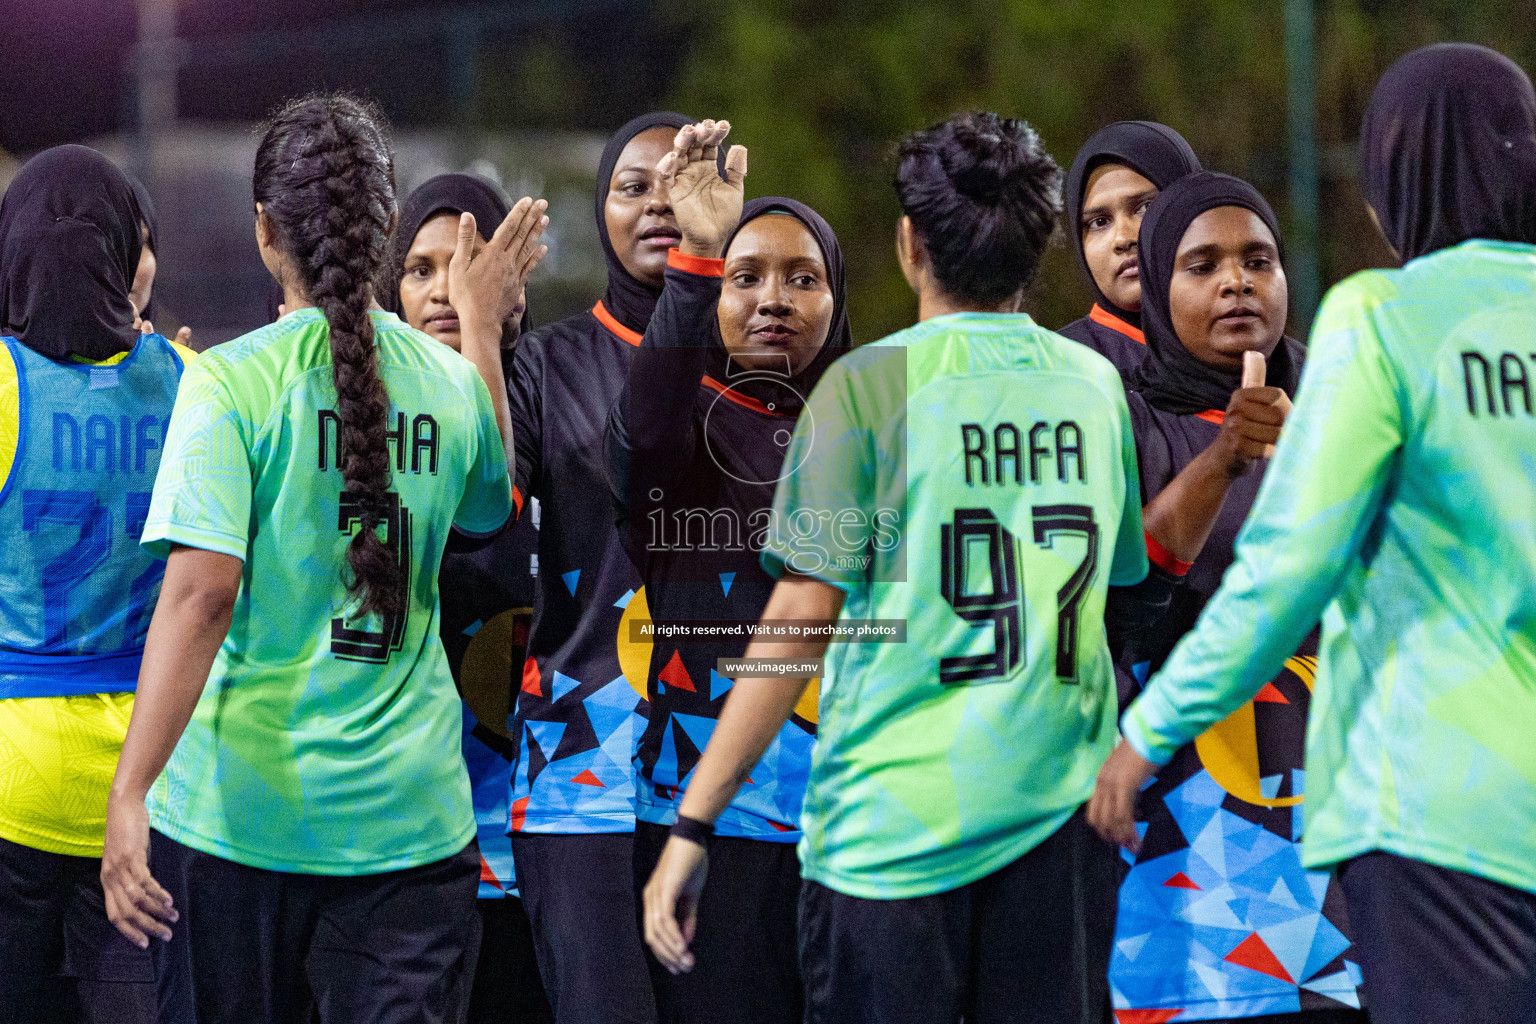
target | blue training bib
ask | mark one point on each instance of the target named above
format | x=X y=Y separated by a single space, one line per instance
x=76 y=589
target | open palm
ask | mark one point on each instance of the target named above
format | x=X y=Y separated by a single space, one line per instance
x=707 y=207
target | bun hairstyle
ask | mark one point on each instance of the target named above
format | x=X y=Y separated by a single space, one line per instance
x=984 y=195
x=325 y=177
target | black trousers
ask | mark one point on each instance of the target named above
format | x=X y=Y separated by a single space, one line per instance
x=61 y=960
x=579 y=893
x=271 y=947
x=505 y=988
x=1028 y=943
x=1440 y=945
x=746 y=966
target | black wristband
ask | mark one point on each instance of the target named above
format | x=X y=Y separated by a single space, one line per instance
x=693 y=830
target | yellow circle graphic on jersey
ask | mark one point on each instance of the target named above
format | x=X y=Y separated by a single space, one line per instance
x=1229 y=750
x=485 y=675
x=635 y=655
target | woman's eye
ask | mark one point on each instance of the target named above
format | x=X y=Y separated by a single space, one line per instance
x=807 y=281
x=420 y=272
x=744 y=280
x=1200 y=268
x=634 y=188
x=1142 y=209
x=1097 y=224
x=1259 y=263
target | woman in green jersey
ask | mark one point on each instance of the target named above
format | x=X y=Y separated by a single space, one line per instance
x=971 y=481
x=309 y=832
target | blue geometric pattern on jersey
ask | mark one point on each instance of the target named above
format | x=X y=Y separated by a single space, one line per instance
x=571 y=579
x=772 y=795
x=726 y=579
x=489 y=778
x=75 y=610
x=1230 y=926
x=577 y=771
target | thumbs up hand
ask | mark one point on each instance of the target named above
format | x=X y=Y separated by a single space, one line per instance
x=1253 y=419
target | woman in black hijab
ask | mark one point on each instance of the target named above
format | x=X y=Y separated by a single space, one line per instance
x=487 y=602
x=1213 y=290
x=1113 y=178
x=1446 y=150
x=72 y=628
x=753 y=313
x=578 y=714
x=69 y=246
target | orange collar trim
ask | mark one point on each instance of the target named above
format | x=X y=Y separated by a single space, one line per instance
x=1217 y=416
x=614 y=327
x=746 y=401
x=1104 y=318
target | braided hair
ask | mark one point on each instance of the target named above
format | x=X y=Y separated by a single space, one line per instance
x=326 y=179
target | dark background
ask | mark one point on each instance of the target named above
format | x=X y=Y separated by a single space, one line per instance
x=819 y=90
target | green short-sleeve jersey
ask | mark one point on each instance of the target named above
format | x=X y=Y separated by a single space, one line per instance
x=323 y=744
x=1400 y=506
x=975 y=476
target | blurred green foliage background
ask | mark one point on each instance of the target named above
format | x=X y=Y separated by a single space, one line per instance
x=819 y=90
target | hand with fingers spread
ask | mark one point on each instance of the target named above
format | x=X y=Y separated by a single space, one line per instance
x=136 y=904
x=1112 y=808
x=672 y=903
x=487 y=280
x=707 y=206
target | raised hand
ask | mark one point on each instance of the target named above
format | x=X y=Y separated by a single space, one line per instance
x=707 y=207
x=487 y=280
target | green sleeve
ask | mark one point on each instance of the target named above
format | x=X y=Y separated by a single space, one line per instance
x=202 y=496
x=1130 y=563
x=820 y=525
x=487 y=499
x=1321 y=494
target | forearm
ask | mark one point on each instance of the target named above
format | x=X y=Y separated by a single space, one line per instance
x=757 y=708
x=1134 y=615
x=482 y=347
x=1180 y=518
x=664 y=376
x=190 y=623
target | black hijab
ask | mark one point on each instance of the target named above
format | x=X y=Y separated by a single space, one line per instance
x=1171 y=378
x=1152 y=150
x=788 y=396
x=629 y=300
x=446 y=193
x=1448 y=149
x=69 y=246
x=151 y=222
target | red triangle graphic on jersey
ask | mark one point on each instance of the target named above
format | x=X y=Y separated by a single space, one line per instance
x=676 y=675
x=586 y=778
x=1145 y=1016
x=531 y=677
x=781 y=828
x=1269 y=695
x=486 y=874
x=1253 y=954
x=519 y=814
x=1180 y=881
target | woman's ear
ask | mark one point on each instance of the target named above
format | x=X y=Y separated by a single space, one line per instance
x=264 y=230
x=910 y=254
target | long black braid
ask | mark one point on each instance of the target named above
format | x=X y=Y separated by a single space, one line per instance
x=325 y=177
